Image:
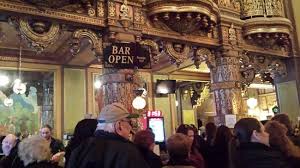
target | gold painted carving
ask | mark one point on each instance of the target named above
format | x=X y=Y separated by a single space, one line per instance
x=274 y=7
x=154 y=49
x=178 y=53
x=124 y=11
x=96 y=42
x=55 y=14
x=204 y=54
x=38 y=33
x=111 y=9
x=253 y=8
x=100 y=8
x=232 y=35
x=229 y=4
x=183 y=17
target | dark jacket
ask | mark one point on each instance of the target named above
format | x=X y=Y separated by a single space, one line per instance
x=257 y=155
x=56 y=146
x=12 y=160
x=151 y=158
x=43 y=164
x=107 y=150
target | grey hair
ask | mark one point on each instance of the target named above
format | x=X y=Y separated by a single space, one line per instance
x=34 y=149
x=109 y=127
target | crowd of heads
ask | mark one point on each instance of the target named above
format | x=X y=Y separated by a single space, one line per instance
x=185 y=147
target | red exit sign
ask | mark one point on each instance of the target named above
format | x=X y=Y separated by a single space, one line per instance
x=155 y=113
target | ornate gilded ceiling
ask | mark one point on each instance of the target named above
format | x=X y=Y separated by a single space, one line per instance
x=178 y=33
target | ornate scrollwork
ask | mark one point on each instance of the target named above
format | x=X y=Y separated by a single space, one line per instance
x=254 y=8
x=267 y=68
x=39 y=34
x=178 y=53
x=78 y=6
x=204 y=55
x=184 y=17
x=154 y=49
x=229 y=4
x=95 y=41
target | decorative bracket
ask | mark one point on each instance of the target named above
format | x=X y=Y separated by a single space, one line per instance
x=204 y=54
x=178 y=53
x=96 y=42
x=39 y=34
x=154 y=49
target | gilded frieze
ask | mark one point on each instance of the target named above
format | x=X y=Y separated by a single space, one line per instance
x=177 y=52
x=39 y=34
x=95 y=40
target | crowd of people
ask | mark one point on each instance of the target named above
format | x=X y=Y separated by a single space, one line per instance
x=108 y=142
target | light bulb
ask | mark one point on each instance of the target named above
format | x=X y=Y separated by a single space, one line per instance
x=97 y=84
x=139 y=103
x=8 y=102
x=3 y=80
x=252 y=103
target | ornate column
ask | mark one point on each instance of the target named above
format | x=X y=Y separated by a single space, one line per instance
x=226 y=86
x=226 y=76
x=118 y=85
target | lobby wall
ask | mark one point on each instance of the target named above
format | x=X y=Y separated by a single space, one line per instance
x=74 y=99
x=167 y=106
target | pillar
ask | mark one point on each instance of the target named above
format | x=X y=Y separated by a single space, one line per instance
x=226 y=85
x=118 y=85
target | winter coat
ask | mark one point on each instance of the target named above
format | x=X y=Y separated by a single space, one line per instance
x=257 y=155
x=151 y=158
x=107 y=150
x=43 y=164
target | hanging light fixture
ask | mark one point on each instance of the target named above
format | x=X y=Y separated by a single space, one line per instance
x=139 y=102
x=18 y=86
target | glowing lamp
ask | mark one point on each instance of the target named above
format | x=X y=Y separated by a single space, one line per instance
x=139 y=103
x=252 y=103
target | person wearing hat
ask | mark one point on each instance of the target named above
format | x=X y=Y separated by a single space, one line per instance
x=110 y=148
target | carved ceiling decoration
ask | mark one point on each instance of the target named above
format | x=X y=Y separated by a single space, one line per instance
x=204 y=55
x=94 y=39
x=261 y=8
x=154 y=49
x=184 y=16
x=78 y=6
x=268 y=68
x=39 y=34
x=177 y=52
x=271 y=33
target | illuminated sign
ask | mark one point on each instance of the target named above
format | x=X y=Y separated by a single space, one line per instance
x=155 y=113
x=126 y=56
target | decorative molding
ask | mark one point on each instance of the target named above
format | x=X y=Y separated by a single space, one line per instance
x=184 y=17
x=39 y=34
x=178 y=53
x=95 y=41
x=204 y=55
x=54 y=14
x=154 y=49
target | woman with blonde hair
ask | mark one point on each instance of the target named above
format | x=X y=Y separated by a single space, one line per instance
x=35 y=153
x=280 y=140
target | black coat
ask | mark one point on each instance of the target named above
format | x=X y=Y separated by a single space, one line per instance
x=257 y=155
x=151 y=158
x=56 y=146
x=107 y=150
x=43 y=164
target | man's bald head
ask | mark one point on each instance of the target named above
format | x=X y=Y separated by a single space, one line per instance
x=8 y=143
